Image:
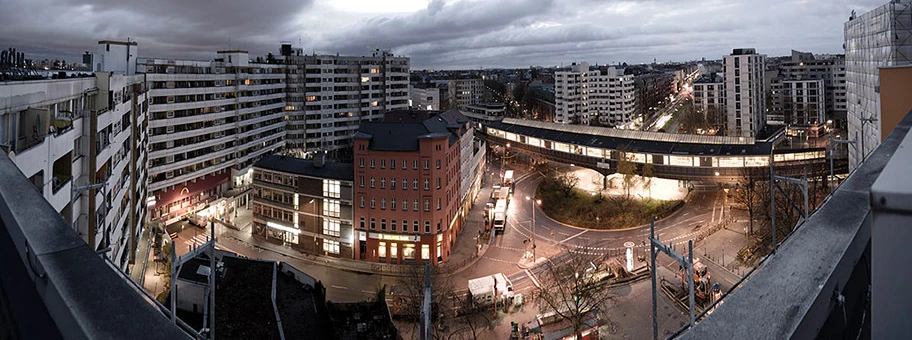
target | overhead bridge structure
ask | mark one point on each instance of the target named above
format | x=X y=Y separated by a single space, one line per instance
x=673 y=156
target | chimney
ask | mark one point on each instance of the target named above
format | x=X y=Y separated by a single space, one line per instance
x=319 y=159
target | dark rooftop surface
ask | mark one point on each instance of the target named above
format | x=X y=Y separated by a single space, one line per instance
x=362 y=320
x=243 y=301
x=189 y=269
x=305 y=167
x=302 y=309
x=636 y=145
x=401 y=130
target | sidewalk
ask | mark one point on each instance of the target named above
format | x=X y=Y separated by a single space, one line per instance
x=462 y=256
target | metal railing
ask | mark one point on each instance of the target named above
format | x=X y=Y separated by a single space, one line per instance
x=53 y=285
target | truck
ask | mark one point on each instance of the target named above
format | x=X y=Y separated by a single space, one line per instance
x=491 y=289
x=504 y=194
x=508 y=179
x=499 y=216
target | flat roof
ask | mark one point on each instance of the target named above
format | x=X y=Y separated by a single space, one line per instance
x=305 y=167
x=115 y=42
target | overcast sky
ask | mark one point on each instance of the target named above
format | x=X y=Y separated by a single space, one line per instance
x=440 y=34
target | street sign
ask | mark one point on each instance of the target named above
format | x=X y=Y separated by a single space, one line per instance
x=601 y=165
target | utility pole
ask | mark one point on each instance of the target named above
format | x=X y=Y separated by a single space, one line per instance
x=686 y=262
x=212 y=279
x=864 y=121
x=832 y=156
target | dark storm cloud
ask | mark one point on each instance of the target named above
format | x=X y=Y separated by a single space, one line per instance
x=441 y=34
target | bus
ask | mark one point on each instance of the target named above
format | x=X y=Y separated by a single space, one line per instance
x=500 y=215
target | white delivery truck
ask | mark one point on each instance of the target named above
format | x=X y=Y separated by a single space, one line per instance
x=500 y=216
x=491 y=289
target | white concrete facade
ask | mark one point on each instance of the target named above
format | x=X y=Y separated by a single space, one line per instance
x=879 y=38
x=745 y=94
x=424 y=98
x=209 y=118
x=330 y=95
x=709 y=94
x=581 y=95
x=463 y=92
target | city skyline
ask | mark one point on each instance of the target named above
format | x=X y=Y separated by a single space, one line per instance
x=438 y=34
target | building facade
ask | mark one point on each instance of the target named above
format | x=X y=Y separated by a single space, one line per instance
x=424 y=97
x=82 y=143
x=745 y=94
x=306 y=204
x=407 y=186
x=329 y=96
x=605 y=95
x=209 y=121
x=463 y=92
x=709 y=95
x=879 y=38
x=805 y=66
x=801 y=103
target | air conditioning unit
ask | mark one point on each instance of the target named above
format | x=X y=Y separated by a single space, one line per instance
x=169 y=129
x=170 y=99
x=169 y=114
x=169 y=174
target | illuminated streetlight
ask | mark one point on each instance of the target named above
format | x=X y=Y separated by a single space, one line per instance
x=533 y=203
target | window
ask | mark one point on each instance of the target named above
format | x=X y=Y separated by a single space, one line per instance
x=439 y=224
x=383 y=204
x=381 y=249
x=360 y=162
x=392 y=164
x=427 y=184
x=393 y=225
x=392 y=204
x=394 y=250
x=362 y=223
x=415 y=205
x=425 y=252
x=362 y=201
x=382 y=164
x=373 y=203
x=427 y=227
x=361 y=181
x=415 y=226
x=331 y=188
x=373 y=182
x=383 y=224
x=408 y=251
x=373 y=224
x=438 y=164
x=426 y=164
x=438 y=182
x=332 y=228
x=373 y=163
x=415 y=184
x=404 y=205
x=331 y=208
x=383 y=183
x=438 y=203
x=331 y=246
x=427 y=205
x=415 y=164
x=393 y=183
x=404 y=164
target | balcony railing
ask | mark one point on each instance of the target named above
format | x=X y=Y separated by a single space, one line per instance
x=53 y=285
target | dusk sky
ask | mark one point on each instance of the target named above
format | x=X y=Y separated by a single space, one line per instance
x=440 y=34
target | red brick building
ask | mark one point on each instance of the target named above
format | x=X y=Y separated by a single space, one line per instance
x=407 y=186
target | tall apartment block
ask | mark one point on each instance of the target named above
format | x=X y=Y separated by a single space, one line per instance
x=745 y=94
x=82 y=142
x=209 y=121
x=606 y=95
x=809 y=90
x=464 y=92
x=879 y=38
x=329 y=96
x=709 y=95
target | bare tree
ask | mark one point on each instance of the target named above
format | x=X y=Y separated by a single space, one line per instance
x=471 y=320
x=627 y=169
x=566 y=182
x=648 y=174
x=748 y=193
x=570 y=291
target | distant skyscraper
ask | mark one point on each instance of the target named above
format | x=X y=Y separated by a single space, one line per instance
x=745 y=96
x=881 y=37
x=607 y=95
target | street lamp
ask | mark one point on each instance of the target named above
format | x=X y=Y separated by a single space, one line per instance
x=532 y=204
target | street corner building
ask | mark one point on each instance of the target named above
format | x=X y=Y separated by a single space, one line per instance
x=413 y=172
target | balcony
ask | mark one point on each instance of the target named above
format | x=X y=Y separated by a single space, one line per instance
x=54 y=285
x=828 y=276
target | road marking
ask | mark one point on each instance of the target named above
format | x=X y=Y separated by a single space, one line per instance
x=367 y=292
x=498 y=260
x=534 y=280
x=574 y=236
x=339 y=287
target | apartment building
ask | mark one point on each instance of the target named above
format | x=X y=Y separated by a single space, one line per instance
x=876 y=39
x=745 y=93
x=806 y=66
x=307 y=204
x=424 y=97
x=709 y=95
x=800 y=103
x=82 y=141
x=407 y=175
x=209 y=121
x=463 y=92
x=329 y=96
x=606 y=95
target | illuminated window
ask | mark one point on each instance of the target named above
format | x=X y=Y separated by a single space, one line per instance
x=408 y=251
x=331 y=208
x=331 y=188
x=333 y=228
x=381 y=249
x=394 y=250
x=331 y=246
x=425 y=252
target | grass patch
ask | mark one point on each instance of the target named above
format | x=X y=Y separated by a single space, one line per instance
x=600 y=212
